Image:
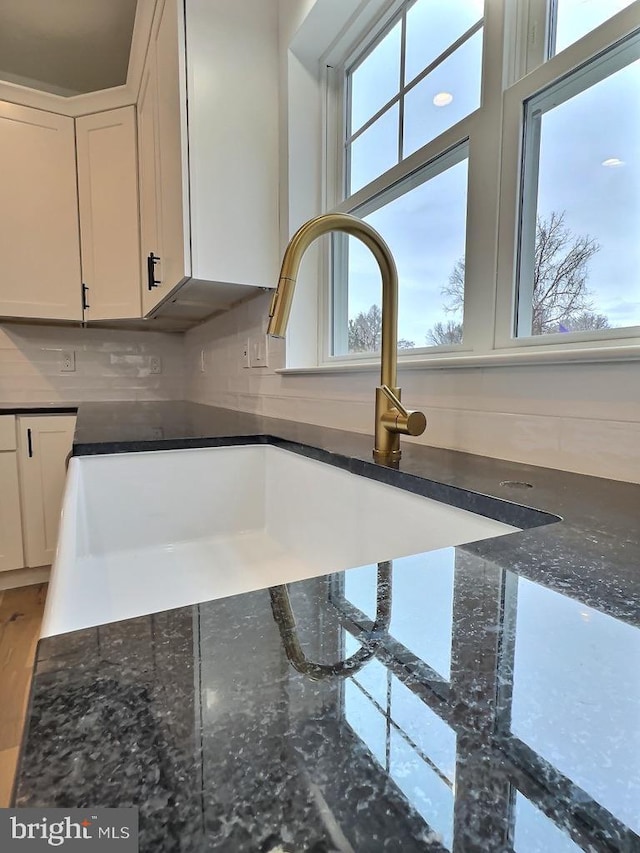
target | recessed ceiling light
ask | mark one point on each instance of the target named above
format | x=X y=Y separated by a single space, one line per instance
x=443 y=99
x=613 y=161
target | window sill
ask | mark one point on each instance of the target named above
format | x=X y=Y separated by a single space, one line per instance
x=511 y=358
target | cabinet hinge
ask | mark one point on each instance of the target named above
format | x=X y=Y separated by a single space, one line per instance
x=85 y=297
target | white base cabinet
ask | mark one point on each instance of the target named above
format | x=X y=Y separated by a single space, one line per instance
x=11 y=553
x=44 y=443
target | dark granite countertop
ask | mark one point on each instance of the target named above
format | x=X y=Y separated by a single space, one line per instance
x=38 y=408
x=494 y=704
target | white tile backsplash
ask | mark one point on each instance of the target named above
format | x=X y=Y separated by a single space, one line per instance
x=110 y=364
x=577 y=417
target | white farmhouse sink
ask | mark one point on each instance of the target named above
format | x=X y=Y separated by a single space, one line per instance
x=146 y=532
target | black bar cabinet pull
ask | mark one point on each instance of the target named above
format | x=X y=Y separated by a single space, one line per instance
x=29 y=444
x=85 y=297
x=152 y=260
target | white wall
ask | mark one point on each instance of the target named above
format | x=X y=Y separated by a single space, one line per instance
x=110 y=365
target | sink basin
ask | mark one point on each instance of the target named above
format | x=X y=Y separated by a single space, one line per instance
x=146 y=532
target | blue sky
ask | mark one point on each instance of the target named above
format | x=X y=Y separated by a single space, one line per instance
x=426 y=229
x=599 y=125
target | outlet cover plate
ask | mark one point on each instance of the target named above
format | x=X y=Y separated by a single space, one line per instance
x=67 y=361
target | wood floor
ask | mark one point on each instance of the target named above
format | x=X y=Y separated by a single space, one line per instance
x=20 y=617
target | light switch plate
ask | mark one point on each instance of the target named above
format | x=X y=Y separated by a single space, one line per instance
x=246 y=354
x=259 y=351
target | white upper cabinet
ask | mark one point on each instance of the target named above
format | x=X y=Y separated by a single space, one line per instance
x=108 y=204
x=163 y=169
x=208 y=133
x=149 y=185
x=39 y=240
x=46 y=193
x=192 y=201
x=172 y=148
x=232 y=72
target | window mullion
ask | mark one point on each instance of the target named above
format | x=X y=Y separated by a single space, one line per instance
x=437 y=155
x=551 y=11
x=403 y=62
x=483 y=189
x=527 y=235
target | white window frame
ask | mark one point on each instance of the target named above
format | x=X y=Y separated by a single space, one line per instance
x=515 y=68
x=570 y=64
x=409 y=172
x=426 y=172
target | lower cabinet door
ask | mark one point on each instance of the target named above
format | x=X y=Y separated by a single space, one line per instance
x=11 y=554
x=43 y=446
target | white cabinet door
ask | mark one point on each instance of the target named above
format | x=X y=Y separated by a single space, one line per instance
x=234 y=140
x=39 y=240
x=43 y=446
x=149 y=189
x=162 y=160
x=11 y=553
x=172 y=143
x=108 y=198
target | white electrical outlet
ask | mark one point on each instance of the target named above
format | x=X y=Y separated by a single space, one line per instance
x=246 y=354
x=68 y=361
x=155 y=364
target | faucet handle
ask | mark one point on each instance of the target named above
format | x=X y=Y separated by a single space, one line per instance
x=395 y=401
x=404 y=421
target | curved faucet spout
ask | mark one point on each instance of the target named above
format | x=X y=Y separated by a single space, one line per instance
x=300 y=242
x=391 y=419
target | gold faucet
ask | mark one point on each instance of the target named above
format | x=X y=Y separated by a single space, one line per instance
x=392 y=419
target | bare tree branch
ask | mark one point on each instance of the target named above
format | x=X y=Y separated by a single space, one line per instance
x=441 y=334
x=365 y=332
x=562 y=300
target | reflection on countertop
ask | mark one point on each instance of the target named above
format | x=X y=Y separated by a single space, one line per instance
x=494 y=714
